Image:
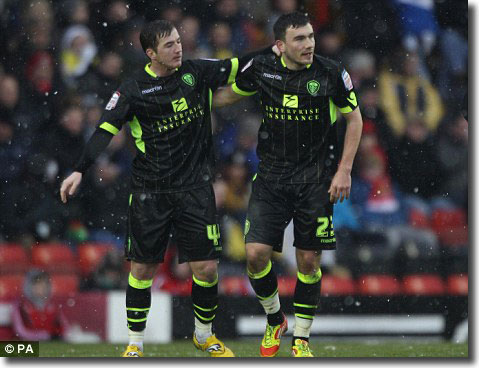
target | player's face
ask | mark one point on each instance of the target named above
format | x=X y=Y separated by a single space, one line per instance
x=298 y=45
x=169 y=51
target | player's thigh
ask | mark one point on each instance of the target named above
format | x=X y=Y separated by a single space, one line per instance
x=149 y=227
x=196 y=225
x=313 y=218
x=269 y=212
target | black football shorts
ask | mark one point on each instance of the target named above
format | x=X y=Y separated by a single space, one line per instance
x=272 y=206
x=189 y=216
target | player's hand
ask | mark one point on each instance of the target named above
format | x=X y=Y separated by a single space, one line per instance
x=340 y=186
x=276 y=50
x=70 y=185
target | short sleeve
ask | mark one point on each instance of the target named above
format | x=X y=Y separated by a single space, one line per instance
x=116 y=111
x=216 y=73
x=246 y=83
x=345 y=98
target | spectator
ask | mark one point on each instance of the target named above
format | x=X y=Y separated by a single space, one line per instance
x=78 y=51
x=103 y=77
x=414 y=164
x=405 y=94
x=220 y=38
x=375 y=197
x=228 y=12
x=453 y=153
x=190 y=34
x=110 y=273
x=109 y=180
x=35 y=316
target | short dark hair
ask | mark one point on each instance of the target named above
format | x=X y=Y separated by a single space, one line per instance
x=152 y=32
x=295 y=19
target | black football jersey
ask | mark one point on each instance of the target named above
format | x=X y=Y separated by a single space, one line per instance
x=170 y=120
x=297 y=140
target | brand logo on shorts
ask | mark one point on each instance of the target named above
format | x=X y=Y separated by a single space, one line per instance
x=188 y=79
x=179 y=105
x=313 y=87
x=290 y=101
x=213 y=232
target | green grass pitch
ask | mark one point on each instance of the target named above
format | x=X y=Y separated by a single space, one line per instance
x=249 y=348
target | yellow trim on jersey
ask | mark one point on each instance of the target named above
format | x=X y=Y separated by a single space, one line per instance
x=345 y=110
x=234 y=70
x=283 y=63
x=136 y=132
x=149 y=71
x=109 y=128
x=239 y=91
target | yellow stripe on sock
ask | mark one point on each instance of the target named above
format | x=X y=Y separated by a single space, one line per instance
x=205 y=309
x=303 y=316
x=304 y=305
x=203 y=318
x=136 y=319
x=267 y=297
x=205 y=283
x=310 y=279
x=139 y=284
x=261 y=274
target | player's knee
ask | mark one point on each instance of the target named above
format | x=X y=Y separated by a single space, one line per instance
x=143 y=271
x=256 y=259
x=206 y=271
x=308 y=262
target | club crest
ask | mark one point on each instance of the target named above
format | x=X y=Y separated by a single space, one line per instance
x=313 y=87
x=188 y=79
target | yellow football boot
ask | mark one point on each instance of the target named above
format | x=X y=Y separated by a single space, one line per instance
x=301 y=349
x=215 y=347
x=272 y=339
x=132 y=351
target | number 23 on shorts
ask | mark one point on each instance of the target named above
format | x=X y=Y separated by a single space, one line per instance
x=322 y=229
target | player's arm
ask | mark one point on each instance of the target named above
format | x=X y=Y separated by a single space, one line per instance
x=96 y=144
x=341 y=185
x=346 y=101
x=112 y=120
x=245 y=85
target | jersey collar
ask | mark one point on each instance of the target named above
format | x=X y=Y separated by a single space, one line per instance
x=284 y=64
x=151 y=72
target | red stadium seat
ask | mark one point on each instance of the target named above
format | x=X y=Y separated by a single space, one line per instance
x=423 y=285
x=234 y=285
x=13 y=259
x=64 y=285
x=379 y=285
x=337 y=285
x=11 y=287
x=419 y=219
x=457 y=284
x=54 y=258
x=90 y=255
x=286 y=285
x=450 y=226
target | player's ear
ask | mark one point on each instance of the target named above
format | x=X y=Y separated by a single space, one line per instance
x=280 y=45
x=151 y=54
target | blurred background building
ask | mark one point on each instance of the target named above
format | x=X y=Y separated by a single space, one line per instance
x=404 y=230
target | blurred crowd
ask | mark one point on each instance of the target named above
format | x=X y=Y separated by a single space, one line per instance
x=62 y=59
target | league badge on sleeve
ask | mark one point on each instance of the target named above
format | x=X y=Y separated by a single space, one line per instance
x=113 y=101
x=347 y=80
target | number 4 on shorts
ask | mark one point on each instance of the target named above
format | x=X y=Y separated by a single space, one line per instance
x=213 y=232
